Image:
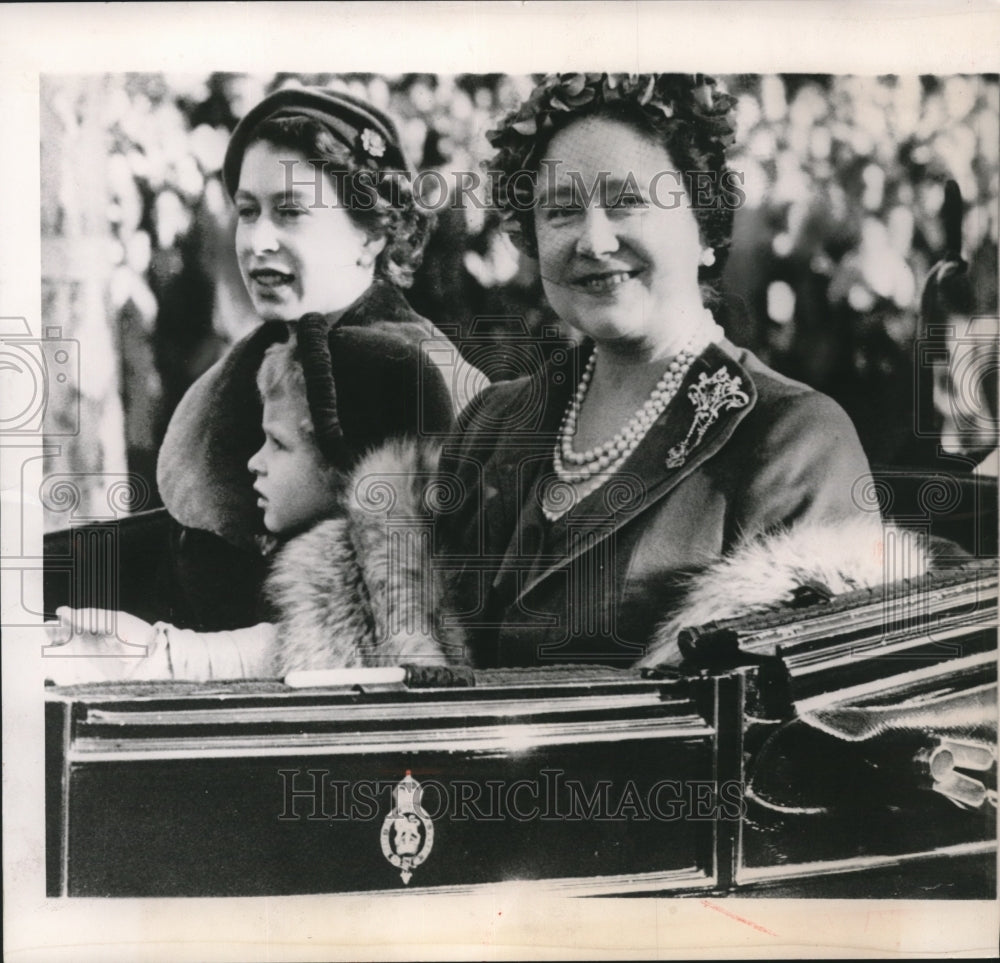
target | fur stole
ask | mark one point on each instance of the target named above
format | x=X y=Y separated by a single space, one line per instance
x=201 y=469
x=360 y=590
x=764 y=572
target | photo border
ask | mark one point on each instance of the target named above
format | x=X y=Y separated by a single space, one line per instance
x=722 y=37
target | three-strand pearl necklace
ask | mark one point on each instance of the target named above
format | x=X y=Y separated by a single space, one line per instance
x=587 y=471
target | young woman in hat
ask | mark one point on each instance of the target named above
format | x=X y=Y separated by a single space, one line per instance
x=657 y=445
x=327 y=230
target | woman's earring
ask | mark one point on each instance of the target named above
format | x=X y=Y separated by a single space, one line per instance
x=707 y=257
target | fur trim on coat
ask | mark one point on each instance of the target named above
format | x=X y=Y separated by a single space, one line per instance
x=765 y=571
x=360 y=590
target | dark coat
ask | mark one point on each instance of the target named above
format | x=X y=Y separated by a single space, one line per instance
x=782 y=454
x=202 y=469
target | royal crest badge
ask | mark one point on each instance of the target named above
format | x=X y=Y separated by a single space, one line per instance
x=407 y=831
x=710 y=397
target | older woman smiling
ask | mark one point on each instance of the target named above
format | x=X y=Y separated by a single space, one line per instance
x=656 y=445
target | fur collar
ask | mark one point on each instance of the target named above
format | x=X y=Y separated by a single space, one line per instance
x=361 y=590
x=202 y=465
x=764 y=572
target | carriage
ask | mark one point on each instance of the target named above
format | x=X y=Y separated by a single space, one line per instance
x=836 y=747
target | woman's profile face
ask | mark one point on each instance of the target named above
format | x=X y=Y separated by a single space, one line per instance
x=618 y=244
x=297 y=246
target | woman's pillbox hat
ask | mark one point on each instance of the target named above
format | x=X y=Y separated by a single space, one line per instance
x=369 y=135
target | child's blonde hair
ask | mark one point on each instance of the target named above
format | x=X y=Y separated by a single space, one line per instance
x=281 y=376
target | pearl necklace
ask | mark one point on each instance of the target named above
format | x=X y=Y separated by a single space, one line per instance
x=587 y=471
x=575 y=467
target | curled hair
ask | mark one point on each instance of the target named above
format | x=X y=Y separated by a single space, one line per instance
x=683 y=113
x=280 y=375
x=379 y=201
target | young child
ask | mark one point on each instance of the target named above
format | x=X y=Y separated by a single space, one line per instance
x=342 y=490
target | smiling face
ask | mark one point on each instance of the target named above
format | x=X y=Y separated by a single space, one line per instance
x=622 y=267
x=297 y=247
x=295 y=485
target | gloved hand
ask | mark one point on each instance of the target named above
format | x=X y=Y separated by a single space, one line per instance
x=96 y=645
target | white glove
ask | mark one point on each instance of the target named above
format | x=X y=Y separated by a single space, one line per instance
x=97 y=645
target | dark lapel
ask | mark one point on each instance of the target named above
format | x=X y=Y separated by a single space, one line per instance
x=646 y=477
x=524 y=445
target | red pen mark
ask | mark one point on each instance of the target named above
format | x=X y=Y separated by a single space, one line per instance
x=739 y=919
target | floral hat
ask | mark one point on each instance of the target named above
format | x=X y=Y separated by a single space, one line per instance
x=671 y=100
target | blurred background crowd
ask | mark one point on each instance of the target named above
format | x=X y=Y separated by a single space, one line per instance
x=844 y=180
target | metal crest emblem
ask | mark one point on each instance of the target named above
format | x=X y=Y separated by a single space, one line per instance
x=407 y=831
x=710 y=397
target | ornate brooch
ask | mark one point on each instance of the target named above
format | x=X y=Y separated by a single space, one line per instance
x=710 y=397
x=407 y=831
